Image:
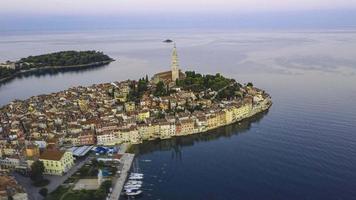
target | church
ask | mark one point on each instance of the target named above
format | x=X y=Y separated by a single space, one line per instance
x=170 y=77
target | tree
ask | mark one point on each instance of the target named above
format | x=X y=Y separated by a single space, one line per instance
x=101 y=164
x=43 y=192
x=249 y=84
x=37 y=169
x=160 y=89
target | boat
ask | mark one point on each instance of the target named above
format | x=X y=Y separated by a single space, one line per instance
x=133 y=186
x=133 y=182
x=136 y=174
x=131 y=190
x=135 y=177
x=134 y=193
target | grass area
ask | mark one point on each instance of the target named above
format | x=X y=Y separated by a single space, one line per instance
x=57 y=193
x=66 y=193
x=89 y=170
x=71 y=179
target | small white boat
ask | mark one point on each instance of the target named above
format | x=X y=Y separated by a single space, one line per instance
x=136 y=174
x=133 y=186
x=130 y=190
x=134 y=193
x=133 y=182
x=135 y=177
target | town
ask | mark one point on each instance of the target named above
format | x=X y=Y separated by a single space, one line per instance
x=52 y=129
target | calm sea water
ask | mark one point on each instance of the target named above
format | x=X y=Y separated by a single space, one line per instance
x=303 y=148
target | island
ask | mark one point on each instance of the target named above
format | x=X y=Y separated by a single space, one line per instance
x=168 y=41
x=44 y=133
x=57 y=60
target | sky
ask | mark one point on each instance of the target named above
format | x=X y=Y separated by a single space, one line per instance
x=42 y=14
x=112 y=7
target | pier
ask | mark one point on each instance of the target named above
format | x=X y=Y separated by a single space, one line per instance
x=126 y=160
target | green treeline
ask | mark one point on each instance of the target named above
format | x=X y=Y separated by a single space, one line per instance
x=198 y=83
x=4 y=72
x=60 y=59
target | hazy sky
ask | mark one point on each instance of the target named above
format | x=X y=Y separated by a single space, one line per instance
x=112 y=7
x=89 y=14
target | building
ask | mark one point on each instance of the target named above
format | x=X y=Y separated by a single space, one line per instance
x=10 y=189
x=56 y=162
x=212 y=121
x=32 y=151
x=242 y=110
x=187 y=126
x=165 y=130
x=143 y=114
x=130 y=135
x=106 y=138
x=170 y=77
x=86 y=138
x=8 y=65
x=10 y=162
x=130 y=106
x=229 y=118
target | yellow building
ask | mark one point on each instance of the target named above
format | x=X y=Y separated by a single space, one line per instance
x=57 y=162
x=229 y=115
x=221 y=118
x=121 y=97
x=142 y=115
x=83 y=105
x=130 y=106
x=212 y=121
x=242 y=111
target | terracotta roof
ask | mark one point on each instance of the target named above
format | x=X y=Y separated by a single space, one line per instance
x=52 y=155
x=167 y=75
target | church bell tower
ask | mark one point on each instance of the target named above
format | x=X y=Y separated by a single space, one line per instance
x=175 y=65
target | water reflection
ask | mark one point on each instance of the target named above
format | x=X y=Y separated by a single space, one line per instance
x=51 y=72
x=176 y=144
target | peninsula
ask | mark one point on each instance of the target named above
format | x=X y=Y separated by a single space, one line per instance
x=58 y=60
x=53 y=128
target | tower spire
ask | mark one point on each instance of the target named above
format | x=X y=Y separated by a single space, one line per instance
x=174 y=64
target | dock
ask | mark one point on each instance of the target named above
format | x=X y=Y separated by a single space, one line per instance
x=126 y=160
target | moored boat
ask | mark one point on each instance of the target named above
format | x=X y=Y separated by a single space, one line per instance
x=134 y=193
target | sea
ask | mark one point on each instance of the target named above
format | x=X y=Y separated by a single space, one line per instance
x=304 y=147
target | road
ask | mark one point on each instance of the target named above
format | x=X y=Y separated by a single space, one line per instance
x=55 y=181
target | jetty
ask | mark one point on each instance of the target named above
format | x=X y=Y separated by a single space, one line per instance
x=126 y=160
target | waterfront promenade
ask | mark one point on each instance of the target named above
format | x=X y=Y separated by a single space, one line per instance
x=126 y=160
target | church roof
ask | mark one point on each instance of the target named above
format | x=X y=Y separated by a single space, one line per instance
x=167 y=75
